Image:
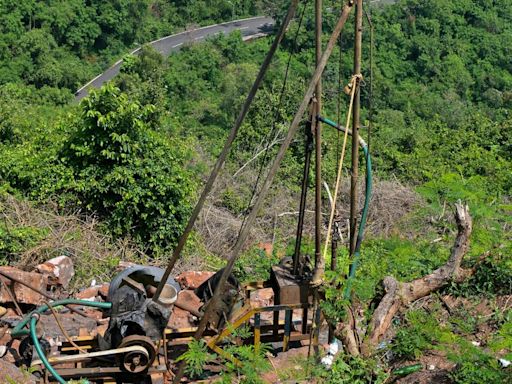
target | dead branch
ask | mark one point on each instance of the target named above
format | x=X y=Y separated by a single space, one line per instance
x=399 y=295
x=267 y=148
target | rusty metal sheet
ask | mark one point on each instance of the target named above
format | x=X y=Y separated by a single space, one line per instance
x=288 y=288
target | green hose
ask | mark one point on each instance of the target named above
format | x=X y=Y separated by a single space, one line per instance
x=40 y=352
x=18 y=330
x=364 y=216
x=362 y=225
x=32 y=319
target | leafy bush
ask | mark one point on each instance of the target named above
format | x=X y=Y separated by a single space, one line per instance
x=492 y=277
x=126 y=172
x=196 y=357
x=420 y=331
x=253 y=362
x=254 y=265
x=502 y=340
x=480 y=372
x=17 y=239
x=416 y=336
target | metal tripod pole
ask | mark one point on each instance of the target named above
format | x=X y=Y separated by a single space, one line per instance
x=242 y=237
x=355 y=127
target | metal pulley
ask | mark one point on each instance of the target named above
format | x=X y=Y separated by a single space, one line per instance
x=140 y=359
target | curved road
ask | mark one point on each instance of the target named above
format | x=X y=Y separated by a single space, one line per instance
x=250 y=28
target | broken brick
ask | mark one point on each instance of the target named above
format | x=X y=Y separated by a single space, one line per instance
x=59 y=270
x=22 y=293
x=88 y=293
x=9 y=373
x=103 y=290
x=262 y=297
x=193 y=279
x=268 y=248
x=181 y=318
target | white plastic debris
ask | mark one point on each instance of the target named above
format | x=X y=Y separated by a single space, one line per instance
x=383 y=344
x=505 y=363
x=431 y=367
x=476 y=343
x=327 y=361
x=93 y=282
x=3 y=350
x=333 y=348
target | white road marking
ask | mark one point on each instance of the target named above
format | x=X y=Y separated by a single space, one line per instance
x=177 y=45
x=243 y=28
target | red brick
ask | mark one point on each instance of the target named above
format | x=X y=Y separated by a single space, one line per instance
x=181 y=318
x=10 y=373
x=262 y=297
x=24 y=294
x=267 y=247
x=103 y=290
x=193 y=279
x=88 y=293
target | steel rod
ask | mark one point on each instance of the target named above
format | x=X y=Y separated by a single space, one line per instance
x=319 y=264
x=355 y=127
x=226 y=149
x=242 y=237
x=303 y=196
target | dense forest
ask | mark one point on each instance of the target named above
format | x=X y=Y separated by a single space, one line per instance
x=133 y=155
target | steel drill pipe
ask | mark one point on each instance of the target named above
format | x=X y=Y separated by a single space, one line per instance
x=318 y=139
x=308 y=149
x=355 y=127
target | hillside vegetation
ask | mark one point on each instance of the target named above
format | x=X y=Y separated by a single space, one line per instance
x=61 y=44
x=134 y=154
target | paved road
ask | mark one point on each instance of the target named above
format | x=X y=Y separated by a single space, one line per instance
x=250 y=28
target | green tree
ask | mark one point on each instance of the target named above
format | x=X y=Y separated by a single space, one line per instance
x=127 y=173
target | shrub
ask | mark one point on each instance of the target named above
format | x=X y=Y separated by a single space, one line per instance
x=17 y=239
x=128 y=173
x=254 y=265
x=493 y=277
x=421 y=331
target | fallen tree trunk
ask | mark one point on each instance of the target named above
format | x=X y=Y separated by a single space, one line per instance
x=399 y=295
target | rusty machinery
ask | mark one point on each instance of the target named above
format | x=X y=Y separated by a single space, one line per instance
x=138 y=347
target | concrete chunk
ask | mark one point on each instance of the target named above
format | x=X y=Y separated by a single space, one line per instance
x=59 y=270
